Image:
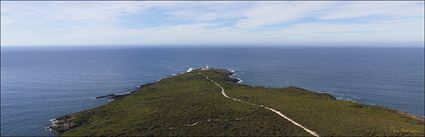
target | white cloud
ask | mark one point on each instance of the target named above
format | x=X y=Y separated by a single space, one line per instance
x=98 y=23
x=86 y=12
x=279 y=12
x=352 y=33
x=208 y=11
x=376 y=8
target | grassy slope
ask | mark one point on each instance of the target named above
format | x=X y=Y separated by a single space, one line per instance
x=168 y=106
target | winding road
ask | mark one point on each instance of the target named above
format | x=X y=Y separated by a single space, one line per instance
x=268 y=108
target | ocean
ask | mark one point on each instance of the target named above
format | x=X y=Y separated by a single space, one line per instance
x=41 y=83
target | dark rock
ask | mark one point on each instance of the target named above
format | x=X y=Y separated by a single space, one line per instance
x=119 y=96
x=106 y=96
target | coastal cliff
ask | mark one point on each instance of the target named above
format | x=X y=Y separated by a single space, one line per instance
x=208 y=102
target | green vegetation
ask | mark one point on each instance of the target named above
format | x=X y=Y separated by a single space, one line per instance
x=189 y=104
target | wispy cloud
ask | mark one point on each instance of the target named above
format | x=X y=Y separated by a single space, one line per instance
x=154 y=23
x=278 y=12
x=392 y=9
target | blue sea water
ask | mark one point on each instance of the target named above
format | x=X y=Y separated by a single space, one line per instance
x=38 y=84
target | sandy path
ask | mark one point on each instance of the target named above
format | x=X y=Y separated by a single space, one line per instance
x=271 y=109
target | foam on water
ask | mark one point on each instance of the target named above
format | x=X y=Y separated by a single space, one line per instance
x=189 y=70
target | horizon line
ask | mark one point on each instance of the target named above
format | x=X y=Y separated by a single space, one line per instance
x=207 y=46
x=420 y=44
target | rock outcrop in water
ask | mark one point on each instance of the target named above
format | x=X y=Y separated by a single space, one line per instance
x=62 y=124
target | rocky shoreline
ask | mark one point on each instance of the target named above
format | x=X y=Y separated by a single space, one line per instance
x=62 y=124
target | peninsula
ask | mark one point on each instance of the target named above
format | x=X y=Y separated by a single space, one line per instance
x=209 y=102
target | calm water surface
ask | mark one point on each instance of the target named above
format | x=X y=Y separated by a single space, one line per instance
x=38 y=84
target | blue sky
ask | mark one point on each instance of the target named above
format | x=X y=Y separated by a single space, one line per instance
x=212 y=23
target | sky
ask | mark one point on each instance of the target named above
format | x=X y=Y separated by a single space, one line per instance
x=147 y=23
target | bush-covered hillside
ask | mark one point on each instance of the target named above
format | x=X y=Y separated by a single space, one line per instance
x=189 y=104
